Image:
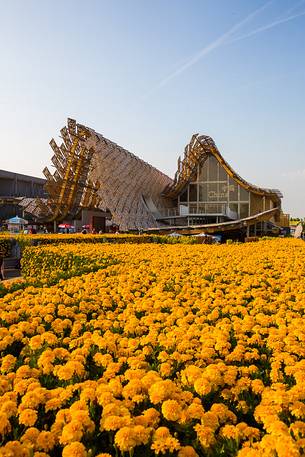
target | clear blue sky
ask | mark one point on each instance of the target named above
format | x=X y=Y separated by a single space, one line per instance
x=150 y=73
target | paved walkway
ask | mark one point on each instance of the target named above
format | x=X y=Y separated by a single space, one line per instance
x=5 y=280
x=11 y=268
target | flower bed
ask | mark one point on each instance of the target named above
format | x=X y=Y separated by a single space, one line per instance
x=174 y=350
x=48 y=264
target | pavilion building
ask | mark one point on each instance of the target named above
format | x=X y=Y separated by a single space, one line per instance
x=95 y=175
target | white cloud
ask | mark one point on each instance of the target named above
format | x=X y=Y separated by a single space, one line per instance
x=294 y=174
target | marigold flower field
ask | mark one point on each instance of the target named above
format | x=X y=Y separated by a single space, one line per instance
x=144 y=350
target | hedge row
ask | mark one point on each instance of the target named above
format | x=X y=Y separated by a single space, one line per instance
x=5 y=247
x=43 y=239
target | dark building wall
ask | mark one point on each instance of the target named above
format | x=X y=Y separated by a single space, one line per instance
x=8 y=211
x=18 y=185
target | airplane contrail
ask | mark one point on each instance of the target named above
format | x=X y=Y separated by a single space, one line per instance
x=268 y=26
x=210 y=47
x=290 y=10
x=225 y=39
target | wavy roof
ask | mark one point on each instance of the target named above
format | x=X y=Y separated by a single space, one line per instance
x=196 y=152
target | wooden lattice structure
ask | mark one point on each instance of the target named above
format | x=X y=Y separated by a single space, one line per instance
x=70 y=187
x=93 y=172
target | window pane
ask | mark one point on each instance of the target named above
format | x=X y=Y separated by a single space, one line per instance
x=193 y=192
x=222 y=174
x=183 y=196
x=212 y=208
x=222 y=192
x=212 y=192
x=213 y=169
x=193 y=208
x=203 y=172
x=203 y=192
x=243 y=194
x=233 y=190
x=244 y=210
x=234 y=207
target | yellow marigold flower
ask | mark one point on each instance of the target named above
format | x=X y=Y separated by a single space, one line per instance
x=149 y=379
x=286 y=446
x=54 y=403
x=187 y=451
x=190 y=375
x=195 y=411
x=298 y=429
x=15 y=449
x=50 y=338
x=30 y=435
x=73 y=431
x=165 y=369
x=82 y=416
x=161 y=391
x=162 y=433
x=114 y=422
x=35 y=396
x=142 y=434
x=45 y=441
x=202 y=386
x=125 y=439
x=230 y=432
x=252 y=433
x=105 y=398
x=74 y=449
x=297 y=409
x=65 y=372
x=88 y=394
x=5 y=425
x=9 y=407
x=149 y=418
x=115 y=387
x=36 y=342
x=205 y=435
x=132 y=389
x=210 y=419
x=249 y=452
x=257 y=386
x=28 y=417
x=171 y=410
x=164 y=442
x=8 y=363
x=277 y=428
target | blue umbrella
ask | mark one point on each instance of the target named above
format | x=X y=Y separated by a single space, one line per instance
x=17 y=220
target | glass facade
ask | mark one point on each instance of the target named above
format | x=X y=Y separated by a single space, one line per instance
x=213 y=192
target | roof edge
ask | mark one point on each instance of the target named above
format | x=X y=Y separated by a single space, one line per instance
x=197 y=151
